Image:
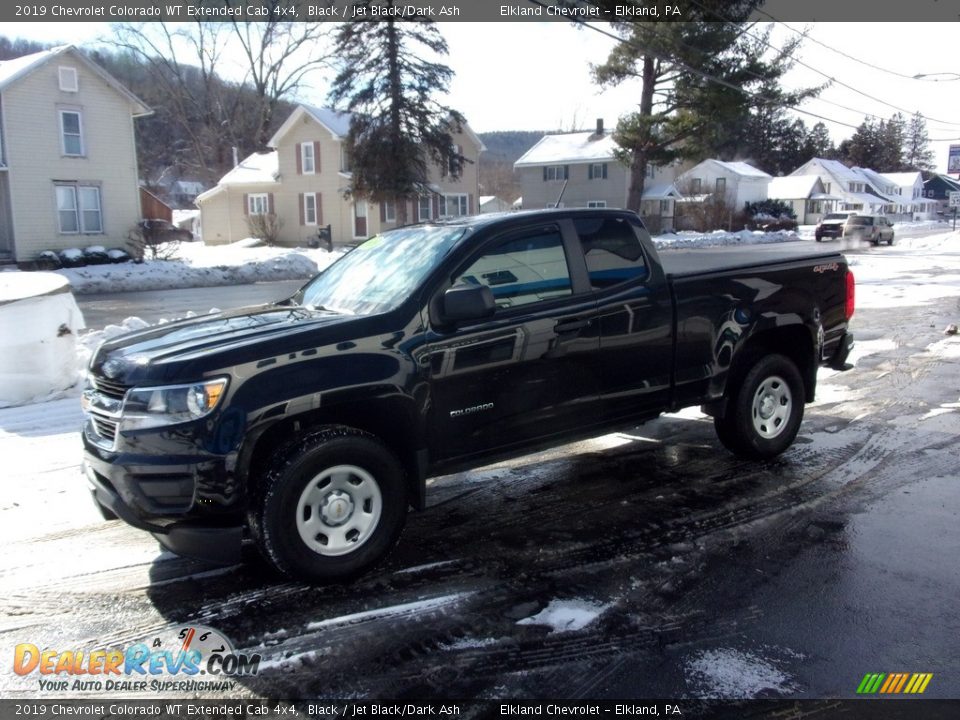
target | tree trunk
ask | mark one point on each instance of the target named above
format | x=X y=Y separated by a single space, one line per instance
x=638 y=167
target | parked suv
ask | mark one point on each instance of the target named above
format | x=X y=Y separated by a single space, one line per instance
x=873 y=228
x=831 y=225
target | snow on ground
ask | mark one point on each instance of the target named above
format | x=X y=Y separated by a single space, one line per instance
x=728 y=673
x=199 y=265
x=721 y=238
x=566 y=615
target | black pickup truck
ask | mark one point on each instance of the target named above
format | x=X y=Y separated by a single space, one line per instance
x=311 y=425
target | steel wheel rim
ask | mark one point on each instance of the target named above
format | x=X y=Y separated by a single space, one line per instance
x=339 y=510
x=772 y=407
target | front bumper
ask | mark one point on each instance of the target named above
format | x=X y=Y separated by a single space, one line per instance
x=138 y=501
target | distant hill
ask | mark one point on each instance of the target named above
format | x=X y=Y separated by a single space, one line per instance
x=508 y=145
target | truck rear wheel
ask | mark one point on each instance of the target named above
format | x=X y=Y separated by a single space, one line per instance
x=764 y=411
x=333 y=504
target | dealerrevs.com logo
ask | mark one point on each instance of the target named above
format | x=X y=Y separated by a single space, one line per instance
x=192 y=658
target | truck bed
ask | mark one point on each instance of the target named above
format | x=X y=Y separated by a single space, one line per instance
x=695 y=261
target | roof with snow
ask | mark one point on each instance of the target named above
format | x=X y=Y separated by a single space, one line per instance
x=256 y=169
x=661 y=191
x=741 y=168
x=834 y=167
x=14 y=70
x=792 y=187
x=903 y=179
x=579 y=147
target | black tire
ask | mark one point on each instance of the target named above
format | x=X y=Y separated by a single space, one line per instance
x=353 y=475
x=773 y=385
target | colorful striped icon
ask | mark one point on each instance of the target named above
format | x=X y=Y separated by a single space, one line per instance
x=894 y=683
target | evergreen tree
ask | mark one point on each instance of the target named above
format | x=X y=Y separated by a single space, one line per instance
x=398 y=125
x=818 y=143
x=864 y=146
x=699 y=82
x=916 y=152
x=890 y=158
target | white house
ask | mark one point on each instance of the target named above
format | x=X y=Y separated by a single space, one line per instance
x=736 y=182
x=493 y=204
x=853 y=187
x=908 y=188
x=804 y=194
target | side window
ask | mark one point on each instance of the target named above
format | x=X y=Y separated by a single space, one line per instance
x=612 y=250
x=523 y=269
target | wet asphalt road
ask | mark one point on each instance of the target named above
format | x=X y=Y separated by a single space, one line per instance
x=672 y=568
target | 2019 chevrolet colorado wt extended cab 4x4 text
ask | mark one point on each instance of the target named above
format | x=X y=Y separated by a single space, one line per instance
x=311 y=425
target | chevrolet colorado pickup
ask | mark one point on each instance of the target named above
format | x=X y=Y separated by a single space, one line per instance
x=310 y=426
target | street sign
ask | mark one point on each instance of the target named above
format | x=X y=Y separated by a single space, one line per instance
x=953 y=159
x=955 y=199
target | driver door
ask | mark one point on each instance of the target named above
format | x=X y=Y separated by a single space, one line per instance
x=530 y=370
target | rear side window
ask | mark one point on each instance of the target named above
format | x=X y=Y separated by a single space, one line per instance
x=525 y=269
x=612 y=250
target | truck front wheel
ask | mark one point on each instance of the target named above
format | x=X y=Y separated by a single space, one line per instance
x=764 y=411
x=332 y=504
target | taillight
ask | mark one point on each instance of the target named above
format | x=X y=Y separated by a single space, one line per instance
x=850 y=305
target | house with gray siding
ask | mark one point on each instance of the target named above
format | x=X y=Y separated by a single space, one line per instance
x=68 y=159
x=581 y=169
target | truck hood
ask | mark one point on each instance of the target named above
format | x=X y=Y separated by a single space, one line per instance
x=186 y=350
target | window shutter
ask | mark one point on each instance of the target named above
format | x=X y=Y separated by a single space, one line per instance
x=470 y=204
x=299 y=151
x=316 y=156
x=383 y=212
x=246 y=203
x=604 y=171
x=436 y=206
x=590 y=171
x=319 y=210
x=303 y=215
x=270 y=203
x=544 y=173
x=566 y=172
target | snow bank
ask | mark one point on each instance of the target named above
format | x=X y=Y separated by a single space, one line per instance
x=566 y=615
x=199 y=265
x=39 y=320
x=718 y=238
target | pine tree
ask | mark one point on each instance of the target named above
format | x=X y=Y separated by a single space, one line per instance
x=397 y=126
x=916 y=152
x=818 y=143
x=699 y=82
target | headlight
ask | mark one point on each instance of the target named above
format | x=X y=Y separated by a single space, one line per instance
x=172 y=404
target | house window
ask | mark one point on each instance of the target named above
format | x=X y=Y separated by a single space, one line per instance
x=68 y=79
x=721 y=186
x=555 y=172
x=649 y=172
x=78 y=209
x=71 y=132
x=664 y=207
x=596 y=203
x=307 y=160
x=455 y=160
x=390 y=211
x=695 y=185
x=309 y=208
x=856 y=187
x=257 y=204
x=424 y=208
x=345 y=163
x=453 y=205
x=597 y=171
x=826 y=188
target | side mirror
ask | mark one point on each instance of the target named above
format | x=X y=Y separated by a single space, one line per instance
x=468 y=302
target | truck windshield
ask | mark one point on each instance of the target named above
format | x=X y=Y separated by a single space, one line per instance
x=382 y=272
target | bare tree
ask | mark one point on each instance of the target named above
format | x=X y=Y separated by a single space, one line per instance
x=280 y=54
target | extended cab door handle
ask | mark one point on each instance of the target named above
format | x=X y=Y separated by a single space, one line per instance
x=568 y=326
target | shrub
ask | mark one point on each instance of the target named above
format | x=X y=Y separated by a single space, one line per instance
x=266 y=227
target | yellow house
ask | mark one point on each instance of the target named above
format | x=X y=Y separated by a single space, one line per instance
x=304 y=180
x=68 y=158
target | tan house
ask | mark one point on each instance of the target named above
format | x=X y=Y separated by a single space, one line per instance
x=304 y=181
x=68 y=159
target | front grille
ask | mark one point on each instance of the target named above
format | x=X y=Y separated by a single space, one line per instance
x=105 y=428
x=110 y=388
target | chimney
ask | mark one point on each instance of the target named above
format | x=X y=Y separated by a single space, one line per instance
x=236 y=156
x=600 y=126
